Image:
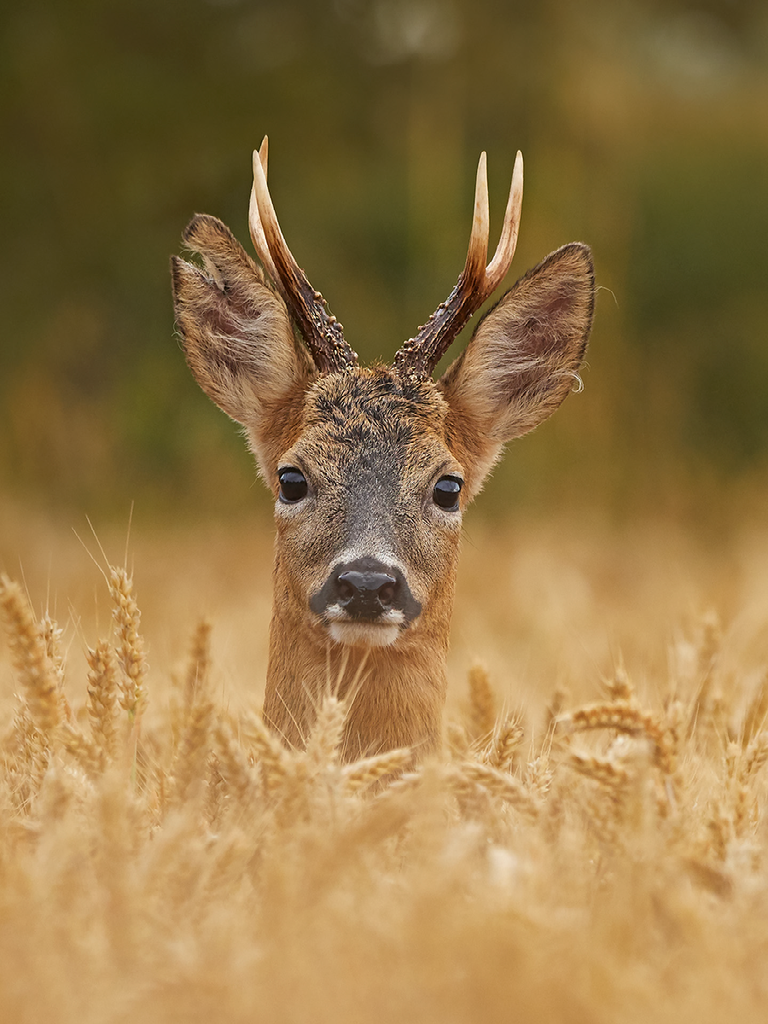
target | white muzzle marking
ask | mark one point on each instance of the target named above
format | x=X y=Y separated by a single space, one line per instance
x=381 y=633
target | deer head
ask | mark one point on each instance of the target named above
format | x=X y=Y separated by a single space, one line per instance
x=372 y=468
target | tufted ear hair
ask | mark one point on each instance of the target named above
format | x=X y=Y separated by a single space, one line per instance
x=236 y=331
x=237 y=336
x=523 y=358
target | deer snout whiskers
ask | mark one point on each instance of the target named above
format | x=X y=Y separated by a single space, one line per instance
x=365 y=602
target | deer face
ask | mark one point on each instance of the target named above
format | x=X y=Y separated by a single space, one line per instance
x=368 y=507
x=371 y=469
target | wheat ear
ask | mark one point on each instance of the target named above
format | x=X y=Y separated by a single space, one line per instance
x=363 y=773
x=482 y=703
x=620 y=688
x=494 y=782
x=235 y=770
x=130 y=644
x=626 y=717
x=102 y=695
x=193 y=751
x=88 y=755
x=270 y=754
x=708 y=654
x=30 y=658
x=755 y=717
x=325 y=739
x=199 y=665
x=604 y=770
x=506 y=739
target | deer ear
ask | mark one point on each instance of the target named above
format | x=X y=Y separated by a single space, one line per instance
x=236 y=332
x=523 y=359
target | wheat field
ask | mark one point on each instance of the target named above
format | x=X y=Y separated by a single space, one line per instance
x=590 y=846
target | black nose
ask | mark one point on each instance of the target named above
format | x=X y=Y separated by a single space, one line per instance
x=366 y=589
x=366 y=594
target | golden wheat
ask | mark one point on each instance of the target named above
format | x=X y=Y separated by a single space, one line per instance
x=506 y=739
x=102 y=696
x=482 y=705
x=30 y=646
x=130 y=648
x=610 y=866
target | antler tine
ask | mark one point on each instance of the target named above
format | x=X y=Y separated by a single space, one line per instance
x=420 y=355
x=254 y=220
x=497 y=269
x=322 y=332
x=477 y=250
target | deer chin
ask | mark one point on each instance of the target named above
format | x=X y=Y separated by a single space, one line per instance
x=382 y=632
x=363 y=634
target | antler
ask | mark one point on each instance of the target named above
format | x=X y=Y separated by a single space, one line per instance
x=420 y=355
x=322 y=332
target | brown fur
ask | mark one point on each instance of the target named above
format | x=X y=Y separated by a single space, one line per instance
x=372 y=445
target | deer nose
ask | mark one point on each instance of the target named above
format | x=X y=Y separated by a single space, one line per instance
x=366 y=594
x=366 y=589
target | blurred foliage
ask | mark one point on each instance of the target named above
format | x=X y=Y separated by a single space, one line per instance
x=645 y=129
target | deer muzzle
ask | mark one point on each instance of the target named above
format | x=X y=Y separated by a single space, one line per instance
x=366 y=602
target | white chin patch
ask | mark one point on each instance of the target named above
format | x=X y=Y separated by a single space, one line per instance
x=363 y=634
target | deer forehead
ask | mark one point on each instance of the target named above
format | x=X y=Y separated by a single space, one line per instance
x=367 y=423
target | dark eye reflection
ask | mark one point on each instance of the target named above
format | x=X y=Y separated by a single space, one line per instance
x=293 y=485
x=446 y=493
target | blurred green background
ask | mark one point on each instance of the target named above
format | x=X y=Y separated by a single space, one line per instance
x=644 y=125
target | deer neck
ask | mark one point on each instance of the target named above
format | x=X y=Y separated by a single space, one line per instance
x=396 y=693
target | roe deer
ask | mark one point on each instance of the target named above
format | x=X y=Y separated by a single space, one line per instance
x=372 y=468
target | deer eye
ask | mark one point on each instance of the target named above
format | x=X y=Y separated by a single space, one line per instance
x=293 y=485
x=446 y=493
